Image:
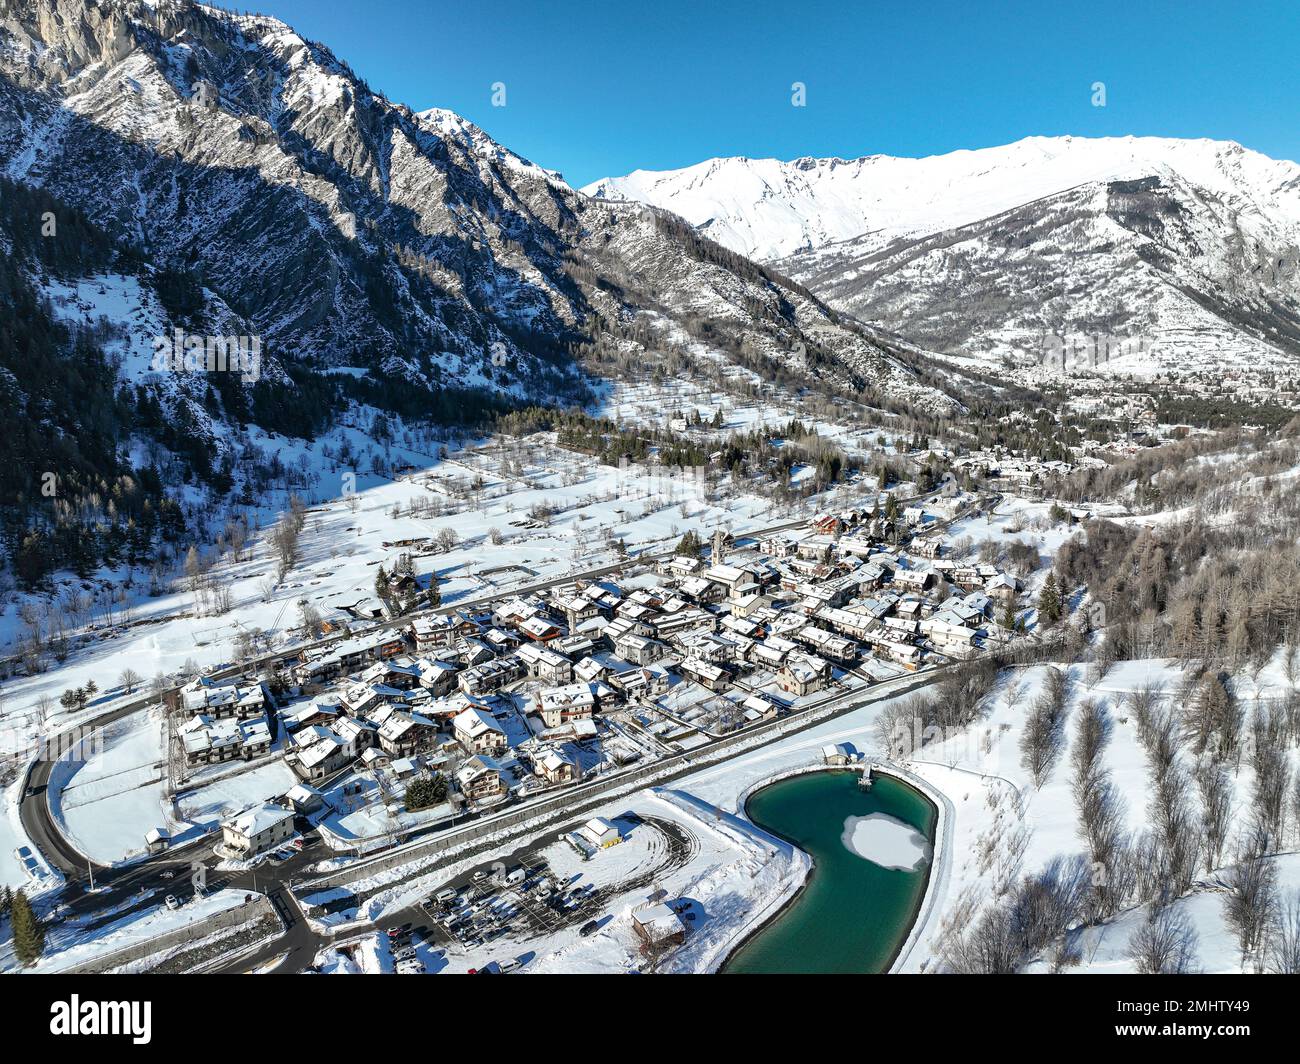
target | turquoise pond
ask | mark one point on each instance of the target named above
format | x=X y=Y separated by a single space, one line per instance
x=854 y=913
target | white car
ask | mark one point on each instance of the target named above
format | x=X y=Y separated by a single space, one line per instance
x=172 y=902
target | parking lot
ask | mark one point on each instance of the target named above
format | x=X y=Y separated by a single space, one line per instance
x=528 y=899
x=487 y=909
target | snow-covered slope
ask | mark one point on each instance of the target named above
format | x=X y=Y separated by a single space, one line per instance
x=1186 y=247
x=347 y=230
x=769 y=209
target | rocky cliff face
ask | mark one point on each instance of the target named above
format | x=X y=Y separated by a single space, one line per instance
x=345 y=230
x=1182 y=252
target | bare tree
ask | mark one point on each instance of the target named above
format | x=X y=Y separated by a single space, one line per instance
x=1250 y=905
x=1283 y=955
x=1166 y=942
x=129 y=680
x=1216 y=811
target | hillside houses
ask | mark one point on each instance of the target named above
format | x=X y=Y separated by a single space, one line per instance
x=539 y=690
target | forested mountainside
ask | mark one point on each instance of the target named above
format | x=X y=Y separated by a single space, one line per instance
x=243 y=183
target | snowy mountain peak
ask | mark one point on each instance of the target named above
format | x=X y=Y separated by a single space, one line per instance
x=770 y=209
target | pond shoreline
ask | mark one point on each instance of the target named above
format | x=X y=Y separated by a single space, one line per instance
x=922 y=912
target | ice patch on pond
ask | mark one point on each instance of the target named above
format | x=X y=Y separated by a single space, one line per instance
x=886 y=841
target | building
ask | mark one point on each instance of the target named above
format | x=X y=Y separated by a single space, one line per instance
x=560 y=705
x=601 y=833
x=491 y=675
x=480 y=779
x=838 y=754
x=545 y=664
x=637 y=649
x=478 y=732
x=403 y=734
x=556 y=766
x=706 y=674
x=802 y=674
x=659 y=926
x=256 y=830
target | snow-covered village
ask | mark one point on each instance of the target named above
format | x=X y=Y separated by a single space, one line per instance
x=874 y=554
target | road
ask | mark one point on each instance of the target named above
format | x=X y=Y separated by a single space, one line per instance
x=304 y=943
x=38 y=821
x=147 y=878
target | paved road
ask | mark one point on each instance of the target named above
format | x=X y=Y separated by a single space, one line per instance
x=147 y=879
x=303 y=943
x=37 y=819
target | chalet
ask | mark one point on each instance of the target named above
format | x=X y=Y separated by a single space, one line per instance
x=403 y=734
x=828 y=645
x=648 y=681
x=927 y=547
x=400 y=673
x=771 y=652
x=710 y=647
x=358 y=735
x=578 y=608
x=914 y=579
x=777 y=546
x=638 y=650
x=681 y=566
x=556 y=766
x=317 y=712
x=748 y=605
x=732 y=578
x=589 y=670
x=500 y=640
x=699 y=590
x=208 y=741
x=539 y=629
x=322 y=758
x=256 y=830
x=559 y=705
x=438 y=677
x=545 y=664
x=480 y=779
x=491 y=675
x=479 y=733
x=432 y=633
x=759 y=707
x=816 y=548
x=1003 y=588
x=684 y=620
x=658 y=926
x=304 y=799
x=706 y=674
x=621 y=626
x=905 y=654
x=850 y=623
x=802 y=674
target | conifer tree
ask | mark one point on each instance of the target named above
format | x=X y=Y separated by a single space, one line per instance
x=1049 y=600
x=29 y=934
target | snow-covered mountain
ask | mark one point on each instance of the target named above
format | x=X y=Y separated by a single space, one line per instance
x=347 y=231
x=1185 y=248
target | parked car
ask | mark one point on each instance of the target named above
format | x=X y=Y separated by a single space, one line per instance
x=172 y=902
x=588 y=928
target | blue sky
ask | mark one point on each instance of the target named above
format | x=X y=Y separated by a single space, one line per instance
x=595 y=89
